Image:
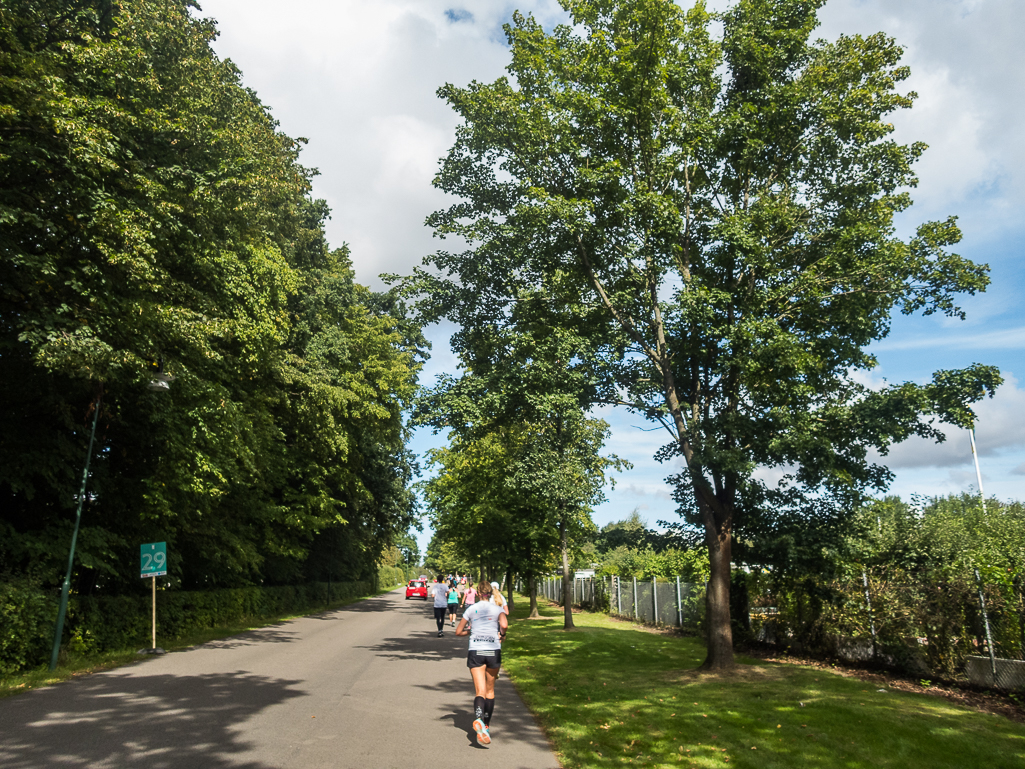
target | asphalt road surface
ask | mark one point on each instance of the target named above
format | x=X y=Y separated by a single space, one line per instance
x=369 y=686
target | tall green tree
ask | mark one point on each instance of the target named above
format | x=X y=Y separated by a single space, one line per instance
x=526 y=382
x=518 y=495
x=151 y=210
x=718 y=210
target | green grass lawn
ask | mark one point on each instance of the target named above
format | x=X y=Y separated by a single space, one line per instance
x=612 y=694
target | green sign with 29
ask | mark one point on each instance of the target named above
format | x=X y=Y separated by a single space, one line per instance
x=153 y=559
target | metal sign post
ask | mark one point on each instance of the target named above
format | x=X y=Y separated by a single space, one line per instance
x=153 y=564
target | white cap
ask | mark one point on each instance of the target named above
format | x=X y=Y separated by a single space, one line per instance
x=494 y=585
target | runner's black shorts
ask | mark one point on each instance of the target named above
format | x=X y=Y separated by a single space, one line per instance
x=453 y=608
x=491 y=659
x=440 y=612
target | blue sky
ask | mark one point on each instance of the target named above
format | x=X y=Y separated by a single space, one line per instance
x=358 y=79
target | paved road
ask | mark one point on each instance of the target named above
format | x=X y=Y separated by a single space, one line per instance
x=368 y=686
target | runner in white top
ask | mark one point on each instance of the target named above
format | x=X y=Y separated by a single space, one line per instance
x=440 y=592
x=486 y=625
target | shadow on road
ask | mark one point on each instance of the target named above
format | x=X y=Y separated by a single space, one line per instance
x=385 y=602
x=273 y=634
x=157 y=722
x=512 y=719
x=425 y=647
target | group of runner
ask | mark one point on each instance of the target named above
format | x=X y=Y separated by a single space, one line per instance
x=485 y=620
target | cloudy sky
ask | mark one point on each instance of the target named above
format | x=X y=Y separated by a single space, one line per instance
x=358 y=79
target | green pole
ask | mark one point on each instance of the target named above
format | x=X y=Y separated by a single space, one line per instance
x=59 y=630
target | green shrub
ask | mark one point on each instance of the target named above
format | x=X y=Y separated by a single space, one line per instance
x=27 y=617
x=390 y=576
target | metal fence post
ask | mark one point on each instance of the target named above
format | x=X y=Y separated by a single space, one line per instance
x=654 y=599
x=679 y=604
x=871 y=616
x=619 y=594
x=635 y=597
x=989 y=636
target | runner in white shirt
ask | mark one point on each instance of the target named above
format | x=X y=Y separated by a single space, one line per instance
x=440 y=592
x=486 y=625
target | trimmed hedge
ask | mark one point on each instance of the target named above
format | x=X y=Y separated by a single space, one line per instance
x=27 y=617
x=390 y=576
x=109 y=623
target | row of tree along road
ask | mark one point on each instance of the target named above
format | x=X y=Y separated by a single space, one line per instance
x=682 y=214
x=689 y=216
x=157 y=227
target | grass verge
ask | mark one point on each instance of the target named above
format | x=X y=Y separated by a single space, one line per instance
x=613 y=694
x=72 y=665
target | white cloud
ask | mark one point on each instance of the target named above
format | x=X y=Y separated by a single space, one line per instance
x=771 y=476
x=870 y=379
x=359 y=80
x=966 y=68
x=659 y=491
x=999 y=428
x=1019 y=470
x=1004 y=339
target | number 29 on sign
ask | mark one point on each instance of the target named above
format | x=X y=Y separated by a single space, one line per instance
x=153 y=563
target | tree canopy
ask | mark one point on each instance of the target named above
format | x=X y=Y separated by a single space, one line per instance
x=715 y=214
x=152 y=214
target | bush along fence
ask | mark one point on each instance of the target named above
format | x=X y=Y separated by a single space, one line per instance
x=673 y=603
x=110 y=623
x=951 y=626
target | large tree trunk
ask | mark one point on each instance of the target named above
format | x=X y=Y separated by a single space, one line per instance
x=532 y=588
x=717 y=602
x=509 y=587
x=567 y=585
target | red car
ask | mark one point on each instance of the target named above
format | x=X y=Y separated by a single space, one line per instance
x=417 y=588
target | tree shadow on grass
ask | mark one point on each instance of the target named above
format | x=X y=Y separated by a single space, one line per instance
x=157 y=722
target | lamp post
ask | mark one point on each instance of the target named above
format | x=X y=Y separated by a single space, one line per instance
x=161 y=383
x=59 y=630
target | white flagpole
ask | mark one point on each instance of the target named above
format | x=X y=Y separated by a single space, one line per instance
x=978 y=473
x=978 y=578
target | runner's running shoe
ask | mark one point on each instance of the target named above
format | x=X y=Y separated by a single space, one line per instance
x=482 y=732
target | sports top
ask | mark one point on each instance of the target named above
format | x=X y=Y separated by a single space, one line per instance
x=440 y=592
x=484 y=627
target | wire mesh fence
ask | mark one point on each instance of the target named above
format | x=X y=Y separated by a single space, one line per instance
x=959 y=626
x=674 y=602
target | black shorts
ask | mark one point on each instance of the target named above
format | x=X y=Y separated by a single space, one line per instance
x=453 y=608
x=440 y=612
x=490 y=659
